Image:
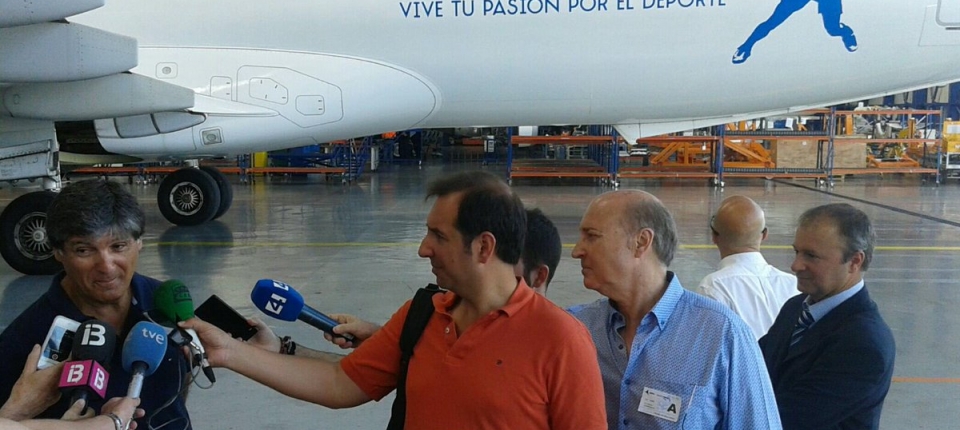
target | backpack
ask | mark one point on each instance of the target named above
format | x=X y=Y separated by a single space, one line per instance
x=421 y=309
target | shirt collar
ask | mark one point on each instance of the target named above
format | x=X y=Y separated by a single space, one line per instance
x=520 y=297
x=662 y=310
x=822 y=308
x=743 y=258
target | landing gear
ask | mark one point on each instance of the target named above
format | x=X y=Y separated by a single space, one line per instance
x=226 y=191
x=23 y=228
x=191 y=196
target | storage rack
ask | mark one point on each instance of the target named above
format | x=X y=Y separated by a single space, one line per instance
x=599 y=161
x=706 y=156
x=919 y=146
x=346 y=161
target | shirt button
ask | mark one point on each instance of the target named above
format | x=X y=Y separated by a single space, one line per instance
x=628 y=382
x=626 y=422
x=620 y=346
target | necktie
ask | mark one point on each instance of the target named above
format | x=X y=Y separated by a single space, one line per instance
x=803 y=323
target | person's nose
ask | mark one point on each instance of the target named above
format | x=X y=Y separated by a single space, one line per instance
x=104 y=262
x=797 y=264
x=577 y=252
x=424 y=251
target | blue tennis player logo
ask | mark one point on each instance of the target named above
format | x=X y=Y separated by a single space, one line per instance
x=830 y=10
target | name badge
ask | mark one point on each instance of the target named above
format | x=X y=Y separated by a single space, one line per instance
x=660 y=404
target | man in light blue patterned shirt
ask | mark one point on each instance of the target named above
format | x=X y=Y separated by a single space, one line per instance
x=670 y=358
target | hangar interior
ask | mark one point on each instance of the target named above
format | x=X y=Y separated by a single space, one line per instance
x=341 y=222
x=352 y=248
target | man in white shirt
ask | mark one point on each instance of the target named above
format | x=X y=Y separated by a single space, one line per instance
x=745 y=282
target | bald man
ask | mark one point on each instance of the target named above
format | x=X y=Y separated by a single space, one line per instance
x=745 y=282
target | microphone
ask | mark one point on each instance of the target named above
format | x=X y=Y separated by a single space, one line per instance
x=282 y=302
x=85 y=375
x=172 y=299
x=143 y=352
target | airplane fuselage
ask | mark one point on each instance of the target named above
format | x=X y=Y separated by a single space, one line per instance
x=299 y=72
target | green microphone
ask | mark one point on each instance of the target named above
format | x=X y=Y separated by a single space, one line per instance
x=174 y=302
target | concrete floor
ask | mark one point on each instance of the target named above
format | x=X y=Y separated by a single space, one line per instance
x=353 y=249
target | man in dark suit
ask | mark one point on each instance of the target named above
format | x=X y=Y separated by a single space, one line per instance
x=829 y=352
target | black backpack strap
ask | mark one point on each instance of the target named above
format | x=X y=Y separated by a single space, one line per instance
x=421 y=309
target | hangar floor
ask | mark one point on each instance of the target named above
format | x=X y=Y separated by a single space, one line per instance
x=353 y=249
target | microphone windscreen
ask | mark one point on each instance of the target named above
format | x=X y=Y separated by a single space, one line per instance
x=277 y=299
x=146 y=343
x=173 y=300
x=95 y=340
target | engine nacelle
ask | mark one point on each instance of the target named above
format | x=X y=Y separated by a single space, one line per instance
x=53 y=51
x=107 y=97
x=19 y=12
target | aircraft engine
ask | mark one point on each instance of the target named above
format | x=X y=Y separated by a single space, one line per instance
x=55 y=51
x=110 y=96
x=19 y=12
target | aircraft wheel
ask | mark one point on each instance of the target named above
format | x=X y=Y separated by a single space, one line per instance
x=189 y=196
x=23 y=227
x=226 y=190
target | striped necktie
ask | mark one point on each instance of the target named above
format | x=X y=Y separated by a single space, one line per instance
x=803 y=323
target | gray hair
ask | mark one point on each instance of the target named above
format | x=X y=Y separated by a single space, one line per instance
x=651 y=213
x=93 y=208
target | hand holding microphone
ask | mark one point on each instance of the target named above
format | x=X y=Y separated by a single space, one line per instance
x=86 y=375
x=173 y=300
x=143 y=352
x=359 y=328
x=281 y=301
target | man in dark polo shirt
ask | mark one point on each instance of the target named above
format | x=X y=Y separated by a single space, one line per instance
x=94 y=228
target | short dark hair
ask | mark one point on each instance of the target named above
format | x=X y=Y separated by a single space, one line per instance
x=852 y=224
x=652 y=214
x=543 y=245
x=488 y=204
x=93 y=207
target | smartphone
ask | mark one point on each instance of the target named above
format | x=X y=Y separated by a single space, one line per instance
x=215 y=311
x=59 y=341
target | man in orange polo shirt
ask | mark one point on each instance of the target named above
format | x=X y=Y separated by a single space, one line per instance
x=494 y=354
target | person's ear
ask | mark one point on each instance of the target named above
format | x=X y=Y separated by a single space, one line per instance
x=856 y=261
x=540 y=278
x=644 y=241
x=486 y=245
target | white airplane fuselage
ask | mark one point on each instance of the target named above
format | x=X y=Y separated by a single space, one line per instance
x=271 y=75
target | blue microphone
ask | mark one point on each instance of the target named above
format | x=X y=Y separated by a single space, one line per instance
x=282 y=302
x=143 y=352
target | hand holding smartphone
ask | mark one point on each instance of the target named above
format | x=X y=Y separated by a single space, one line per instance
x=59 y=342
x=215 y=311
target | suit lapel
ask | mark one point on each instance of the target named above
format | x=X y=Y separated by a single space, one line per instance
x=828 y=324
